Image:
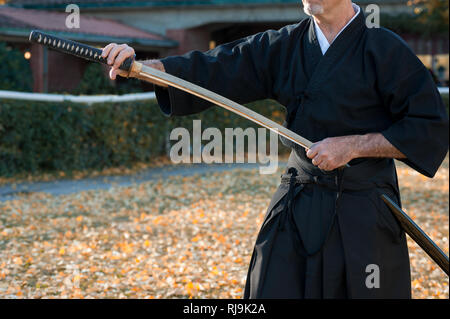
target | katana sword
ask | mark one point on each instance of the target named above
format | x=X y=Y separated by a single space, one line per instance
x=142 y=71
x=418 y=235
x=139 y=70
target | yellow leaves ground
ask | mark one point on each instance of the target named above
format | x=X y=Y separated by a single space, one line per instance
x=426 y=202
x=188 y=237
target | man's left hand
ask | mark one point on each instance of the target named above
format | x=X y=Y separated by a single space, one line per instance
x=332 y=152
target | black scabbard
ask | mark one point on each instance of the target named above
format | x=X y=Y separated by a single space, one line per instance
x=418 y=235
x=74 y=48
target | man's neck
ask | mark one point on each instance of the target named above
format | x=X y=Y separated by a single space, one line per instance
x=334 y=20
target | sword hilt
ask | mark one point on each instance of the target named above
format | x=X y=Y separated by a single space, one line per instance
x=75 y=48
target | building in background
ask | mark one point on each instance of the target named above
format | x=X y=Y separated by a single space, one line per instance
x=54 y=71
x=167 y=27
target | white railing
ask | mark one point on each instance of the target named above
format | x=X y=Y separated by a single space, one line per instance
x=443 y=90
x=84 y=99
x=92 y=99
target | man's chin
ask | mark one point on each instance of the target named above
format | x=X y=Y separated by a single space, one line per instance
x=313 y=9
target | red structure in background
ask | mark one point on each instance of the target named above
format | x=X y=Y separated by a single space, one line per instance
x=54 y=71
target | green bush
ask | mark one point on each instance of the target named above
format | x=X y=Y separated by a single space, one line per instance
x=413 y=24
x=43 y=137
x=14 y=70
x=96 y=81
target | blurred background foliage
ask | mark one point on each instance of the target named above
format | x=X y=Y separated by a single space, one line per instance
x=431 y=15
x=96 y=81
x=14 y=70
x=40 y=137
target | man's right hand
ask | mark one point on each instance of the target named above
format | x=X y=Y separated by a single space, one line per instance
x=115 y=54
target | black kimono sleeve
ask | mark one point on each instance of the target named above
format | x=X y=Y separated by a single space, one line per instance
x=239 y=70
x=420 y=122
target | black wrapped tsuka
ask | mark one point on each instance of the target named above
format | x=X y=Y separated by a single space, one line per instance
x=74 y=48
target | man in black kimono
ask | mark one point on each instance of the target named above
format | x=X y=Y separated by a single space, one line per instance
x=364 y=98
